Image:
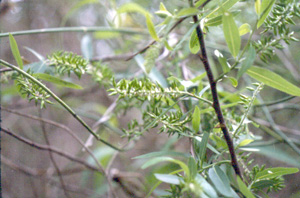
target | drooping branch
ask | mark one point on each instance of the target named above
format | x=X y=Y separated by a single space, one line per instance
x=216 y=104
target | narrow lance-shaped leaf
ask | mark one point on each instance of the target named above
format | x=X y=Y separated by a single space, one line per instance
x=266 y=7
x=257 y=6
x=187 y=12
x=56 y=81
x=220 y=181
x=275 y=172
x=243 y=188
x=231 y=33
x=151 y=27
x=15 y=51
x=225 y=6
x=248 y=62
x=194 y=43
x=196 y=119
x=273 y=80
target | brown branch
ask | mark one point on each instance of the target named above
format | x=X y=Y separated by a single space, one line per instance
x=68 y=130
x=216 y=104
x=38 y=173
x=51 y=149
x=63 y=185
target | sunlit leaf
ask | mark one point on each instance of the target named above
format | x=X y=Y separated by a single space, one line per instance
x=244 y=29
x=273 y=80
x=151 y=27
x=245 y=142
x=258 y=7
x=15 y=51
x=231 y=33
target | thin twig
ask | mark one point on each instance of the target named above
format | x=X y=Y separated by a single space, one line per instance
x=63 y=185
x=51 y=149
x=216 y=105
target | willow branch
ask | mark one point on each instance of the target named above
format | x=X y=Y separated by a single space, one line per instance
x=75 y=29
x=216 y=104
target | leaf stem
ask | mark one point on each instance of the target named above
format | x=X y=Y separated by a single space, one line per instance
x=61 y=102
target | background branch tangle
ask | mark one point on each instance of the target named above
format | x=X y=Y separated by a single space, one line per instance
x=181 y=107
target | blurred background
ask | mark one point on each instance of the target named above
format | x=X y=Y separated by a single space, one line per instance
x=30 y=172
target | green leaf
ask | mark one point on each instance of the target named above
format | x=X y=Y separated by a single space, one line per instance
x=133 y=7
x=243 y=188
x=207 y=187
x=222 y=60
x=266 y=7
x=56 y=81
x=215 y=21
x=231 y=34
x=194 y=43
x=275 y=172
x=220 y=181
x=161 y=153
x=248 y=62
x=203 y=146
x=151 y=27
x=225 y=6
x=273 y=80
x=15 y=50
x=245 y=142
x=163 y=14
x=258 y=7
x=244 y=29
x=192 y=167
x=162 y=7
x=187 y=12
x=170 y=179
x=167 y=159
x=196 y=119
x=280 y=152
x=199 y=3
x=233 y=81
